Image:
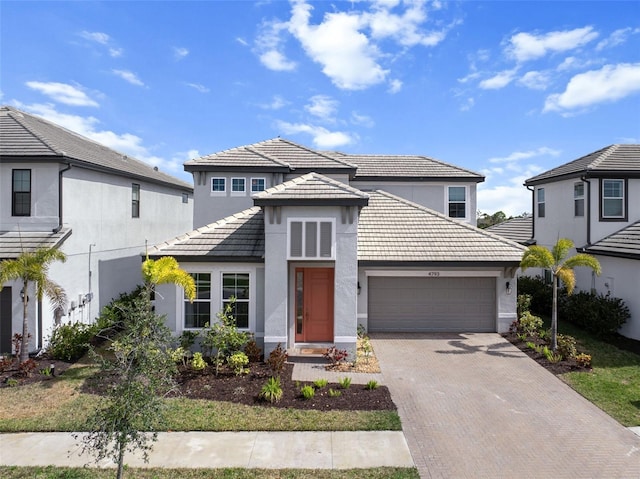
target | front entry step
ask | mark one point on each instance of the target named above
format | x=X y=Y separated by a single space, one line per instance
x=308 y=353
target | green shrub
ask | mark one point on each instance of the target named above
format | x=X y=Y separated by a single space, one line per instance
x=187 y=339
x=529 y=324
x=531 y=345
x=334 y=393
x=308 y=392
x=272 y=390
x=177 y=355
x=372 y=384
x=523 y=304
x=223 y=336
x=583 y=360
x=320 y=383
x=69 y=342
x=113 y=316
x=345 y=382
x=597 y=313
x=566 y=346
x=540 y=291
x=197 y=362
x=237 y=361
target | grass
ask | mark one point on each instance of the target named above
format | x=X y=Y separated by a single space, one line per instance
x=614 y=383
x=154 y=473
x=58 y=405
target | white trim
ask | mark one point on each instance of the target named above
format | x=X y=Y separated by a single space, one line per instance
x=466 y=202
x=345 y=339
x=433 y=273
x=257 y=178
x=218 y=193
x=276 y=339
x=362 y=315
x=242 y=192
x=251 y=302
x=304 y=221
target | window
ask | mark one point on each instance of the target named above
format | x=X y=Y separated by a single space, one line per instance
x=236 y=285
x=578 y=199
x=218 y=185
x=238 y=186
x=185 y=197
x=21 y=193
x=613 y=201
x=135 y=200
x=311 y=239
x=457 y=201
x=198 y=313
x=257 y=185
x=541 y=209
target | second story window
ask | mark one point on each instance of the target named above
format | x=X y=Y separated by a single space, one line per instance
x=238 y=186
x=218 y=186
x=578 y=199
x=457 y=197
x=257 y=185
x=21 y=193
x=311 y=239
x=613 y=201
x=135 y=200
x=185 y=197
x=541 y=204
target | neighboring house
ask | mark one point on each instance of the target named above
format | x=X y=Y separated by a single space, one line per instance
x=98 y=206
x=595 y=201
x=309 y=254
x=518 y=229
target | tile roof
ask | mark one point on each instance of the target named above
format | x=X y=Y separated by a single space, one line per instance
x=239 y=237
x=624 y=243
x=311 y=189
x=277 y=154
x=620 y=159
x=398 y=166
x=392 y=229
x=27 y=136
x=519 y=230
x=14 y=243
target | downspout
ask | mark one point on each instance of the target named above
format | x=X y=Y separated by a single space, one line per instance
x=583 y=178
x=59 y=227
x=533 y=210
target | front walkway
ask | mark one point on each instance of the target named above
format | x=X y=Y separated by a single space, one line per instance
x=475 y=406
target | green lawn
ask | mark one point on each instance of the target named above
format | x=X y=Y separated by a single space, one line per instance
x=614 y=383
x=83 y=473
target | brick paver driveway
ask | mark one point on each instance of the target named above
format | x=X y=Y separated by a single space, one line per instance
x=474 y=406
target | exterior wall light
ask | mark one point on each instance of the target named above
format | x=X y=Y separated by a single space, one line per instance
x=508 y=287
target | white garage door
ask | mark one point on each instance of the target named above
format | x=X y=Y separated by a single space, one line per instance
x=432 y=304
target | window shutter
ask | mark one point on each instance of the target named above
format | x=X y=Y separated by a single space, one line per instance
x=311 y=239
x=325 y=239
x=296 y=239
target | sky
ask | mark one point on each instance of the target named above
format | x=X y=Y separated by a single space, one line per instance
x=504 y=88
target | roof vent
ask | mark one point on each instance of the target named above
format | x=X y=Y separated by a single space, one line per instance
x=155 y=168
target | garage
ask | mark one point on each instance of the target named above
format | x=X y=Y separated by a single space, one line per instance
x=426 y=304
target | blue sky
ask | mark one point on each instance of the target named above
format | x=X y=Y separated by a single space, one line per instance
x=507 y=89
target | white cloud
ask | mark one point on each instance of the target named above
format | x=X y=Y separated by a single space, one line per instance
x=323 y=107
x=529 y=46
x=62 y=93
x=616 y=38
x=506 y=194
x=115 y=52
x=321 y=137
x=128 y=76
x=199 y=87
x=468 y=104
x=242 y=41
x=536 y=80
x=395 y=86
x=362 y=120
x=525 y=155
x=276 y=103
x=499 y=80
x=269 y=46
x=274 y=60
x=180 y=52
x=610 y=83
x=98 y=37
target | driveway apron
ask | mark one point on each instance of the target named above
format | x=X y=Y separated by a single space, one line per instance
x=475 y=406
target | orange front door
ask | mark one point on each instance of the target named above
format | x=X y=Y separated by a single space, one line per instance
x=314 y=304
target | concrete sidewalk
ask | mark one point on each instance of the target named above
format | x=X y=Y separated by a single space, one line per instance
x=269 y=450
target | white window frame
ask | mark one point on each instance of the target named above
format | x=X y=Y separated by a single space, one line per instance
x=577 y=198
x=264 y=181
x=618 y=198
x=242 y=192
x=543 y=202
x=304 y=221
x=212 y=313
x=448 y=202
x=249 y=302
x=218 y=192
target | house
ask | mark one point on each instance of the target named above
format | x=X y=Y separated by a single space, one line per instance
x=595 y=201
x=312 y=244
x=98 y=206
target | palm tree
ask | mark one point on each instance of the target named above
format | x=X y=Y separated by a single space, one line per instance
x=33 y=267
x=166 y=270
x=561 y=268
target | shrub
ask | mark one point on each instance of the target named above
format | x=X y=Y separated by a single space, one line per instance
x=566 y=346
x=69 y=342
x=187 y=339
x=523 y=304
x=540 y=291
x=361 y=331
x=237 y=361
x=114 y=315
x=12 y=382
x=277 y=360
x=335 y=355
x=334 y=393
x=308 y=392
x=345 y=382
x=372 y=384
x=600 y=314
x=272 y=390
x=583 y=360
x=5 y=363
x=531 y=345
x=224 y=336
x=320 y=383
x=177 y=355
x=253 y=352
x=529 y=324
x=197 y=362
x=26 y=368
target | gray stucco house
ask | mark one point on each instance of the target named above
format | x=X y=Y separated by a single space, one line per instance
x=595 y=201
x=58 y=188
x=314 y=243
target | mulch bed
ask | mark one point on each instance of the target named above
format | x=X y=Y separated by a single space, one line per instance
x=37 y=375
x=561 y=367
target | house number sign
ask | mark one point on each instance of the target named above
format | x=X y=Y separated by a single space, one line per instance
x=433 y=274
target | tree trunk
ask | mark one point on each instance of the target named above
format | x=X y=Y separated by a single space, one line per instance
x=121 y=461
x=554 y=315
x=24 y=347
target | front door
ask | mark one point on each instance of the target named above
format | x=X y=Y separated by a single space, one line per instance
x=314 y=304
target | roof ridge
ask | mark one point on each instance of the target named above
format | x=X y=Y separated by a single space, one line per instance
x=602 y=157
x=21 y=120
x=450 y=220
x=253 y=149
x=317 y=152
x=435 y=160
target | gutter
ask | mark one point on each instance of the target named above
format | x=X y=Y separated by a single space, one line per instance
x=60 y=173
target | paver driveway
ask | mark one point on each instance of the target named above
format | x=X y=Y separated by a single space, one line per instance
x=474 y=406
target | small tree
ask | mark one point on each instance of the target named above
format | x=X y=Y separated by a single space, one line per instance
x=142 y=371
x=561 y=268
x=33 y=267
